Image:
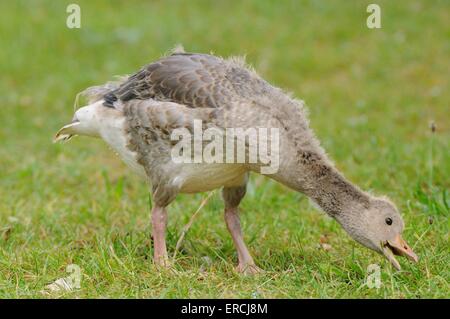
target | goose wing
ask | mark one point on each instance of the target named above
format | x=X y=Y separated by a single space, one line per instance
x=194 y=80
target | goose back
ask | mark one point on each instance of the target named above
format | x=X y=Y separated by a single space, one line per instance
x=194 y=80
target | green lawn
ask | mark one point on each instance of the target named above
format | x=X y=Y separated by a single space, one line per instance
x=371 y=95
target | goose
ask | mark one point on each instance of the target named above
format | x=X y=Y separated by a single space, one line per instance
x=138 y=115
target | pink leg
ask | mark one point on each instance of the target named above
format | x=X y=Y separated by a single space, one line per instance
x=246 y=263
x=159 y=222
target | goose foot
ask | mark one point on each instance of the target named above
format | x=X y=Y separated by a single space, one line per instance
x=163 y=262
x=249 y=269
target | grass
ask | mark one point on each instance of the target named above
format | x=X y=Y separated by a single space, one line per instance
x=371 y=94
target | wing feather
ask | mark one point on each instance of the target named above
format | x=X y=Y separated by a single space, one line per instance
x=194 y=80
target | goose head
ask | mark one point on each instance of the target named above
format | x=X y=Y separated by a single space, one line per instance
x=88 y=121
x=378 y=226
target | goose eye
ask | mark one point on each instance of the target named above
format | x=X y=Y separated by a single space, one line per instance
x=388 y=221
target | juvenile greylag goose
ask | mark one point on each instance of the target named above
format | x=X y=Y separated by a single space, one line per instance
x=139 y=116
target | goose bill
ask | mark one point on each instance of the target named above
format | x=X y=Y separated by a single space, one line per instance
x=66 y=132
x=399 y=247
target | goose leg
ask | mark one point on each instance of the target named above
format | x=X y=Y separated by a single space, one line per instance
x=159 y=224
x=232 y=198
x=162 y=197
